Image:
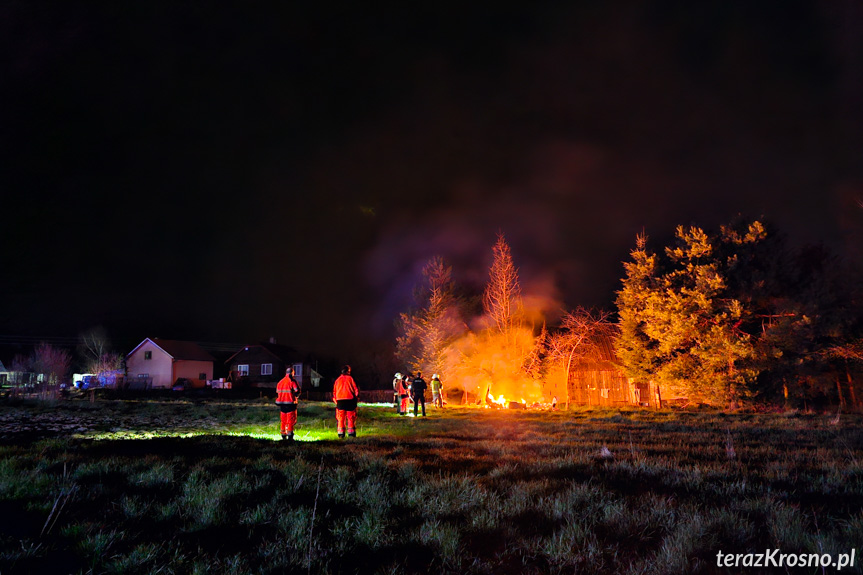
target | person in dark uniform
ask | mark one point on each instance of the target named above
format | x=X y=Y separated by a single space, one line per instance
x=418 y=390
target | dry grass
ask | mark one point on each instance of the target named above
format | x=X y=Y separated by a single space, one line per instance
x=462 y=491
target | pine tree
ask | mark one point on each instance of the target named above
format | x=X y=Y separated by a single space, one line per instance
x=425 y=333
x=682 y=326
x=634 y=348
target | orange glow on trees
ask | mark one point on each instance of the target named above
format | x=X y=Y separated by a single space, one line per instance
x=501 y=357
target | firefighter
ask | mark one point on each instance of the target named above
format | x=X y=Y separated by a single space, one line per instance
x=437 y=391
x=418 y=390
x=397 y=380
x=403 y=394
x=287 y=394
x=345 y=394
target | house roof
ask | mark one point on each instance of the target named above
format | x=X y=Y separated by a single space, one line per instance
x=281 y=352
x=598 y=351
x=182 y=350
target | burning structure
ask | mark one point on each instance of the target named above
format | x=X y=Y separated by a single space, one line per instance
x=499 y=361
x=595 y=378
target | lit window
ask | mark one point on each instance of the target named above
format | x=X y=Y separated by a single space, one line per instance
x=143 y=375
x=148 y=355
x=298 y=370
x=243 y=369
x=266 y=369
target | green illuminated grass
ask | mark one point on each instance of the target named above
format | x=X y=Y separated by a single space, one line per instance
x=186 y=487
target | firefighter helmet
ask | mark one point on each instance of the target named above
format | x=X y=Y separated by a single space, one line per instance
x=435 y=376
x=398 y=375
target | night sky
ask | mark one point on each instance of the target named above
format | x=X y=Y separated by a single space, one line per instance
x=231 y=174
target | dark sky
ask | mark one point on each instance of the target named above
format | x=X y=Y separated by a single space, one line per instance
x=229 y=174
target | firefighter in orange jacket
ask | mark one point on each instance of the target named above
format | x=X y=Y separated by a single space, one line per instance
x=402 y=392
x=287 y=394
x=345 y=394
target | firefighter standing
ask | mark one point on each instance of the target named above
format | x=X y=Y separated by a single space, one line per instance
x=397 y=380
x=418 y=390
x=437 y=391
x=287 y=393
x=403 y=394
x=345 y=394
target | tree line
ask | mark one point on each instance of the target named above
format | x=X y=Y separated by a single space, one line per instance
x=731 y=317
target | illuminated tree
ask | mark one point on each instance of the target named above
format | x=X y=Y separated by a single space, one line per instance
x=736 y=315
x=580 y=333
x=635 y=349
x=507 y=356
x=502 y=297
x=95 y=349
x=424 y=334
x=440 y=322
x=681 y=325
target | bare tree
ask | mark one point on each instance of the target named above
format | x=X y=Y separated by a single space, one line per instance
x=52 y=363
x=502 y=298
x=582 y=332
x=95 y=349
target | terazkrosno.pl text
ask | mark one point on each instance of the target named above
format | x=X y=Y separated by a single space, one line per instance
x=774 y=558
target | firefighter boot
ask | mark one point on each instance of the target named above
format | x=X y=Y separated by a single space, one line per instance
x=352 y=434
x=341 y=435
x=284 y=436
x=289 y=437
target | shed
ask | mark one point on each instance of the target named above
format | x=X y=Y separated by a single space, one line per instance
x=596 y=378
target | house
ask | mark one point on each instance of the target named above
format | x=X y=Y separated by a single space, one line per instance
x=161 y=362
x=264 y=364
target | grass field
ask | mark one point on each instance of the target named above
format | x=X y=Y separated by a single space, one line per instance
x=204 y=487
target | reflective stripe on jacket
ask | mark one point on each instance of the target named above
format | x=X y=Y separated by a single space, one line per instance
x=287 y=390
x=345 y=388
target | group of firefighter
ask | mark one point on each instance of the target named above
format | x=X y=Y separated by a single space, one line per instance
x=408 y=387
x=345 y=396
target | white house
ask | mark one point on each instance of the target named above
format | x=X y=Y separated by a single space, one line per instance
x=164 y=361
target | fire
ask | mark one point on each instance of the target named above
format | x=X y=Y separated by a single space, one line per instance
x=501 y=402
